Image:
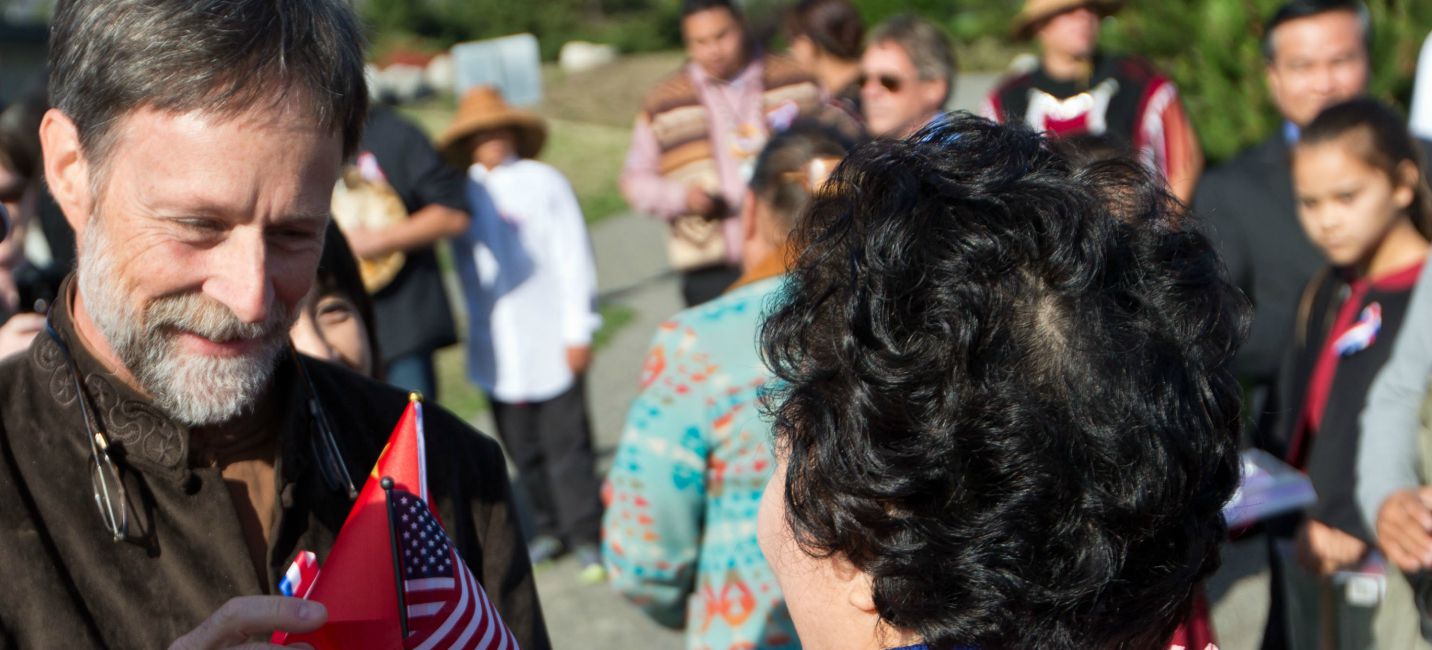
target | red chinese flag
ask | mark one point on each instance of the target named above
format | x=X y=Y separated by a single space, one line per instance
x=446 y=606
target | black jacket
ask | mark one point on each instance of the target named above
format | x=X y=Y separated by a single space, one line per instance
x=65 y=583
x=1247 y=204
x=414 y=316
x=1329 y=453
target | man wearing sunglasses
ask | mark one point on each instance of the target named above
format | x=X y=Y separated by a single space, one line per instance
x=1078 y=90
x=906 y=76
x=164 y=454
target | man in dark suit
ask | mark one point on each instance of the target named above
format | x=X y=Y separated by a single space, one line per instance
x=1316 y=55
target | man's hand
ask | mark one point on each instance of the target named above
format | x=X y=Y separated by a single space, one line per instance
x=579 y=358
x=16 y=333
x=699 y=201
x=246 y=617
x=1403 y=525
x=1324 y=549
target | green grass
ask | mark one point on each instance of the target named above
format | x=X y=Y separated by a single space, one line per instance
x=590 y=156
x=465 y=399
x=615 y=318
x=455 y=392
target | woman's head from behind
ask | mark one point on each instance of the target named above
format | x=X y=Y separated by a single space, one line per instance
x=335 y=323
x=829 y=29
x=791 y=169
x=1358 y=178
x=1004 y=415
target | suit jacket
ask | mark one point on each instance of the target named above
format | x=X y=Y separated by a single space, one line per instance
x=66 y=583
x=1247 y=204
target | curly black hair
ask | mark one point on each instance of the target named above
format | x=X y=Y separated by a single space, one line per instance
x=1005 y=390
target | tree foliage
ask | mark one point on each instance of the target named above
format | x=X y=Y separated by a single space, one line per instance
x=1209 y=47
x=631 y=25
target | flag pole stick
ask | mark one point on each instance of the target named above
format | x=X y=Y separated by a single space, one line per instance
x=387 y=483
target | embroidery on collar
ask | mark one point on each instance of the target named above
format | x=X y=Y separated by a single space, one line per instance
x=142 y=431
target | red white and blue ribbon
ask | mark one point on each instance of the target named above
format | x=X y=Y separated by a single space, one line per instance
x=300 y=575
x=1362 y=334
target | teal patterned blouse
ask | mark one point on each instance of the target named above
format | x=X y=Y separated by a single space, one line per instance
x=679 y=535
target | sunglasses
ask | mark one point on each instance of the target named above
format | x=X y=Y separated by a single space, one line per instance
x=105 y=481
x=891 y=83
x=12 y=193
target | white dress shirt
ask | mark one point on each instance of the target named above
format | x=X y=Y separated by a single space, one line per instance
x=1421 y=121
x=528 y=279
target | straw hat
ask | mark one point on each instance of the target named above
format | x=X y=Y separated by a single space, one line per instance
x=481 y=109
x=1038 y=11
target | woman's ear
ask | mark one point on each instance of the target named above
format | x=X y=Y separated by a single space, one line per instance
x=1407 y=180
x=858 y=586
x=748 y=217
x=67 y=172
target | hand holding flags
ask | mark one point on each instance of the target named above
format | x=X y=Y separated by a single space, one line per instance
x=392 y=533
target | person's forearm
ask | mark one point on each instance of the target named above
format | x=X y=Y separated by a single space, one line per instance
x=1185 y=157
x=423 y=228
x=642 y=184
x=1387 y=449
x=654 y=195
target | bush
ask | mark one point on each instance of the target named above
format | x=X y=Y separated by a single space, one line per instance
x=1211 y=49
x=631 y=25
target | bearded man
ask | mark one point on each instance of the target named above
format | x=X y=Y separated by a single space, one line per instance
x=164 y=454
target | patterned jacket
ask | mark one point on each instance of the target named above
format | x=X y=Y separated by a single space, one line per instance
x=679 y=536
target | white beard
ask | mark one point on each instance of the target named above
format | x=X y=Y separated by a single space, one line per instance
x=193 y=390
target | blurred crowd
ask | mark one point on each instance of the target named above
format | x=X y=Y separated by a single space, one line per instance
x=1323 y=227
x=837 y=443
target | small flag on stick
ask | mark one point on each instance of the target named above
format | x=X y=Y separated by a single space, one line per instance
x=393 y=577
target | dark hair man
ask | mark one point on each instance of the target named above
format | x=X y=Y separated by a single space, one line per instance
x=969 y=452
x=160 y=456
x=1315 y=55
x=698 y=134
x=906 y=76
x=1077 y=89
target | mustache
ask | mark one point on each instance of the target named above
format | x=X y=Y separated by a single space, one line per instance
x=206 y=317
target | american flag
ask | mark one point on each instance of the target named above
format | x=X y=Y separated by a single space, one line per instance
x=446 y=606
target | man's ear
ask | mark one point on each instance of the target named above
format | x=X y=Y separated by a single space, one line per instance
x=66 y=170
x=936 y=91
x=1271 y=78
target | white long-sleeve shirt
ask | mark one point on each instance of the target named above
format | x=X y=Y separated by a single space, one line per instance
x=528 y=279
x=1421 y=118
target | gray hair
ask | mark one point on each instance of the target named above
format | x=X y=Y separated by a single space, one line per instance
x=927 y=46
x=223 y=57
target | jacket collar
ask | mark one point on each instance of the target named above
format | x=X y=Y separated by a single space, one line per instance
x=144 y=437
